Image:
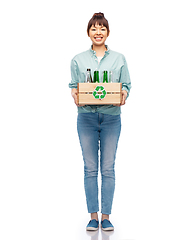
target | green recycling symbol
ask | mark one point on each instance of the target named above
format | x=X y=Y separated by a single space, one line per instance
x=99 y=92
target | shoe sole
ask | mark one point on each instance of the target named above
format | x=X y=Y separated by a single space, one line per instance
x=108 y=229
x=91 y=229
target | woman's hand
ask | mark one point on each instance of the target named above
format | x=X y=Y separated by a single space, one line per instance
x=123 y=101
x=74 y=94
x=124 y=96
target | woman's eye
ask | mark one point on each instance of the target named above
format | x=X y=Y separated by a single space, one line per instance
x=93 y=29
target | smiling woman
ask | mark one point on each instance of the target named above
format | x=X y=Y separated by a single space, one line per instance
x=99 y=126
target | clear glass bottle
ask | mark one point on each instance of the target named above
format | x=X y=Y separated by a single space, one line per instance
x=111 y=77
x=88 y=78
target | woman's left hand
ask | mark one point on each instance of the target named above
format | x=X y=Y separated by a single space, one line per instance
x=123 y=101
x=124 y=96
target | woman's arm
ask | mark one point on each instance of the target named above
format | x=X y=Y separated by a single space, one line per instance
x=74 y=81
x=126 y=83
x=125 y=79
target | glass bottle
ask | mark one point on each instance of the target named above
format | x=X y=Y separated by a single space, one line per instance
x=88 y=78
x=105 y=77
x=96 y=77
x=111 y=79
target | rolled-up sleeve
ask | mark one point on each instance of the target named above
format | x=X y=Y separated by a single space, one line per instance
x=125 y=77
x=74 y=74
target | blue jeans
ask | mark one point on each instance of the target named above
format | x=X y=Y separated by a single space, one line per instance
x=96 y=132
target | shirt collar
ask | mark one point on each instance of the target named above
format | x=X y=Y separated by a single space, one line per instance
x=94 y=52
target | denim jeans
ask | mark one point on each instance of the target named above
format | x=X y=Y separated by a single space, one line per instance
x=96 y=132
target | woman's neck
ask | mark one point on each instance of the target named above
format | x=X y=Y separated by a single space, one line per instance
x=100 y=50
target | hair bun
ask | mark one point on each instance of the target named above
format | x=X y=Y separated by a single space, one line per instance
x=98 y=14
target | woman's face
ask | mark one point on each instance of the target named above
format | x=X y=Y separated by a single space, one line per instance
x=98 y=34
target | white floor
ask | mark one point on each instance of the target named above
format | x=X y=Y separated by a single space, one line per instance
x=117 y=234
x=96 y=235
x=41 y=209
x=100 y=235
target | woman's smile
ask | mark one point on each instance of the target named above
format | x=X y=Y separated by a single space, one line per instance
x=98 y=38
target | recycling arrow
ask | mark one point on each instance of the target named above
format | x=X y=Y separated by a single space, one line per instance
x=99 y=92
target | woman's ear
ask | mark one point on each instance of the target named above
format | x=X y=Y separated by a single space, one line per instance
x=108 y=34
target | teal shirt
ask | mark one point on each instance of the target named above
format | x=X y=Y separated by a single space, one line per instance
x=112 y=61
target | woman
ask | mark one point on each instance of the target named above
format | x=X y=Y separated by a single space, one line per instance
x=99 y=126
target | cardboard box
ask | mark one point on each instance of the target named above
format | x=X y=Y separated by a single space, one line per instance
x=99 y=93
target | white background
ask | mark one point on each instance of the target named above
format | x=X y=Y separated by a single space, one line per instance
x=41 y=168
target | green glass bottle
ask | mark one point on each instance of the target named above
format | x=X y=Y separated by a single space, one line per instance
x=105 y=77
x=96 y=77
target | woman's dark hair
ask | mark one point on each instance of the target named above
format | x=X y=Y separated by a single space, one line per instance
x=98 y=18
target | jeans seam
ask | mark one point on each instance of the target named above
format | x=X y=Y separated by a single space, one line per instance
x=102 y=200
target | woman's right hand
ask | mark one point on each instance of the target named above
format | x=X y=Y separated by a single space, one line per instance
x=74 y=94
